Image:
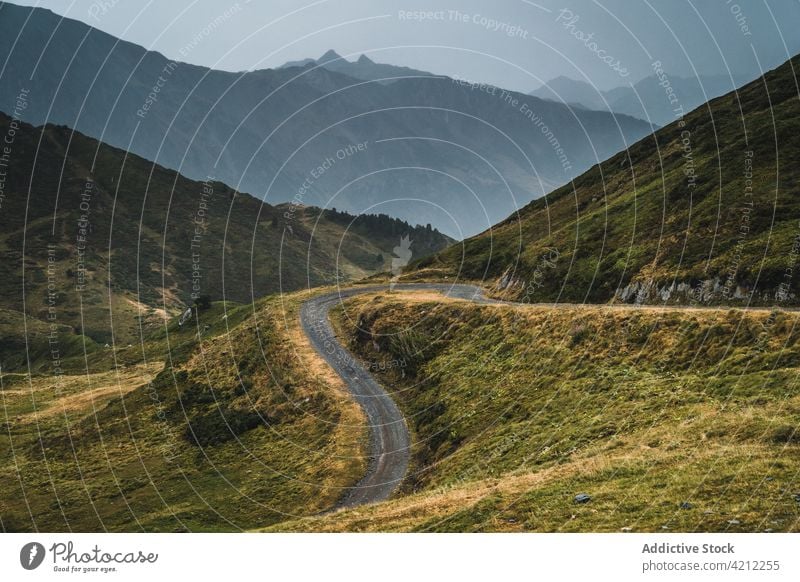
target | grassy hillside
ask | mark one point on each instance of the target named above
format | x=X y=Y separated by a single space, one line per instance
x=514 y=411
x=115 y=417
x=235 y=432
x=92 y=236
x=704 y=211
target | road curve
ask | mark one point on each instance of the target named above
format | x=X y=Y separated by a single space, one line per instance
x=389 y=438
x=390 y=442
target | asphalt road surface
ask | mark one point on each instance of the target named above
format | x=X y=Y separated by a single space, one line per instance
x=389 y=437
x=390 y=441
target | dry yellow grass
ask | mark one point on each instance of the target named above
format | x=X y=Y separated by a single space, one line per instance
x=407 y=513
x=430 y=511
x=75 y=395
x=644 y=408
x=351 y=435
x=137 y=452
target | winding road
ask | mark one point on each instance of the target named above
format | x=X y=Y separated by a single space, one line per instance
x=389 y=437
x=390 y=442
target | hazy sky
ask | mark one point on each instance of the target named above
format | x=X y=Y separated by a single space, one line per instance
x=518 y=44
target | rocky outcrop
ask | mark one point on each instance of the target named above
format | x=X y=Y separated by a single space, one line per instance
x=706 y=292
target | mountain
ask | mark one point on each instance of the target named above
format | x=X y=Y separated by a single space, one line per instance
x=300 y=63
x=578 y=93
x=364 y=68
x=660 y=99
x=649 y=98
x=427 y=150
x=100 y=237
x=703 y=211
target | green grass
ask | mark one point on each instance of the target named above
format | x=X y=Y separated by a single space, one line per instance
x=232 y=433
x=149 y=232
x=515 y=411
x=635 y=218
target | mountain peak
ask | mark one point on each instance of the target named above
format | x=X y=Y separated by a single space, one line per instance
x=331 y=55
x=563 y=78
x=365 y=60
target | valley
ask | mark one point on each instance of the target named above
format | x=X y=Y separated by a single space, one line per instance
x=436 y=151
x=664 y=417
x=343 y=295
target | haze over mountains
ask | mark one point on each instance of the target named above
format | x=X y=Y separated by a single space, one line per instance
x=659 y=99
x=429 y=149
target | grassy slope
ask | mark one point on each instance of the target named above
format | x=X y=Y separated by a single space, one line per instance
x=636 y=217
x=515 y=411
x=140 y=256
x=118 y=441
x=235 y=432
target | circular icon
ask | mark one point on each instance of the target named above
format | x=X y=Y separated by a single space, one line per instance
x=31 y=555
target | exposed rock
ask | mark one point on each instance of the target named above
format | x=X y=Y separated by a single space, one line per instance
x=582 y=498
x=704 y=292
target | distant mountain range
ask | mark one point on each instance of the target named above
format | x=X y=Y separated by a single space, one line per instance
x=427 y=149
x=364 y=68
x=659 y=99
x=704 y=211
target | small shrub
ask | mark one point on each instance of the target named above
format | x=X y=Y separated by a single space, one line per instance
x=202 y=303
x=220 y=425
x=786 y=435
x=578 y=333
